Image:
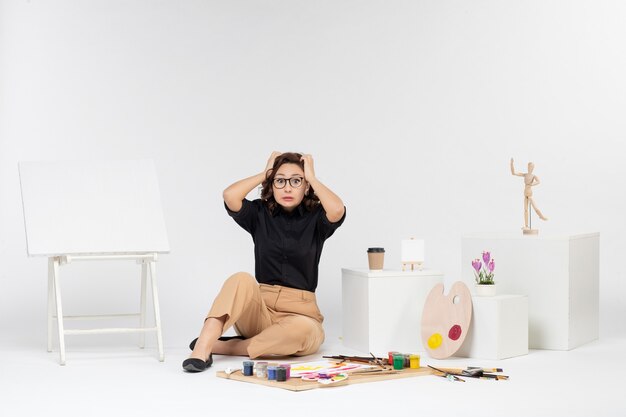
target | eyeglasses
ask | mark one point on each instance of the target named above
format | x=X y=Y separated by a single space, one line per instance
x=294 y=182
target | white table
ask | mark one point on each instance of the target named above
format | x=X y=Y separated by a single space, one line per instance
x=559 y=274
x=499 y=328
x=382 y=310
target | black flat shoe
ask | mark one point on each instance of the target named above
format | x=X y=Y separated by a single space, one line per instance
x=192 y=345
x=197 y=365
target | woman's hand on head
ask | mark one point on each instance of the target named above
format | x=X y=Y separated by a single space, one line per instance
x=309 y=169
x=270 y=161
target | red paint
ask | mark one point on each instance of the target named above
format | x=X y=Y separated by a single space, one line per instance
x=455 y=332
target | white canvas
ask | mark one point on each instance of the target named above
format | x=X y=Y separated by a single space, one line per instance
x=92 y=207
x=412 y=250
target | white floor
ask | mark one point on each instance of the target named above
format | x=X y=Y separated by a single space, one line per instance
x=124 y=381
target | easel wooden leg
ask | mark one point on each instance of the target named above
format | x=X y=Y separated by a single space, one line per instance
x=157 y=313
x=142 y=311
x=59 y=308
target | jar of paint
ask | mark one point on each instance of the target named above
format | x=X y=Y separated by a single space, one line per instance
x=407 y=360
x=415 y=361
x=248 y=368
x=261 y=369
x=398 y=361
x=390 y=354
x=281 y=374
x=287 y=367
x=271 y=372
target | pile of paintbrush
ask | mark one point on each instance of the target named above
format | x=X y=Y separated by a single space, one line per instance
x=371 y=360
x=453 y=374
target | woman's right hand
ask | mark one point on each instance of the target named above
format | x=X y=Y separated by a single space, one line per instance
x=270 y=161
x=237 y=192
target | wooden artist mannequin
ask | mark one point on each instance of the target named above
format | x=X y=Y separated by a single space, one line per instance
x=530 y=180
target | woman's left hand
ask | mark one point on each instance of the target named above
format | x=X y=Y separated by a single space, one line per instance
x=309 y=170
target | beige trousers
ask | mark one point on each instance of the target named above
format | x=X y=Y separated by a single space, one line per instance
x=278 y=320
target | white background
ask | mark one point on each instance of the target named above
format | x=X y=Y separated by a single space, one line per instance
x=411 y=110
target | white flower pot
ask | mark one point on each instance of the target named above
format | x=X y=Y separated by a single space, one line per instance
x=483 y=290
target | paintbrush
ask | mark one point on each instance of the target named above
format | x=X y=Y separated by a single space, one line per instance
x=460 y=371
x=495 y=377
x=362 y=359
x=447 y=374
x=486 y=369
x=377 y=361
x=373 y=360
x=375 y=371
x=474 y=373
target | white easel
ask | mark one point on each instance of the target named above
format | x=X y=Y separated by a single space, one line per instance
x=55 y=305
x=95 y=211
x=412 y=253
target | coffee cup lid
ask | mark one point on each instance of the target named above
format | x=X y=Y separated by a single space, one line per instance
x=376 y=250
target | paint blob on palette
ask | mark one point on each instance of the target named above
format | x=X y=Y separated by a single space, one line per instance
x=446 y=320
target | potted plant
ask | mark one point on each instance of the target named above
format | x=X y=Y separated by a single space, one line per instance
x=483 y=273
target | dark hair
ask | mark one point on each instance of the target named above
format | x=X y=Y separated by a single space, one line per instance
x=267 y=193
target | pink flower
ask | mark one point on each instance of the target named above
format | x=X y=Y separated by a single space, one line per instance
x=476 y=264
x=486 y=257
x=483 y=271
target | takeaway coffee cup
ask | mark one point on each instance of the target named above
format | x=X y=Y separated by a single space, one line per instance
x=376 y=258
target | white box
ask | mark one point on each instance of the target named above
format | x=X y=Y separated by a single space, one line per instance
x=499 y=328
x=560 y=275
x=382 y=310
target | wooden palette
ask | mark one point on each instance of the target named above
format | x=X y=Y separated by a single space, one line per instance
x=446 y=320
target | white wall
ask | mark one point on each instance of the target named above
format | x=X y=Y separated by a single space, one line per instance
x=411 y=109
